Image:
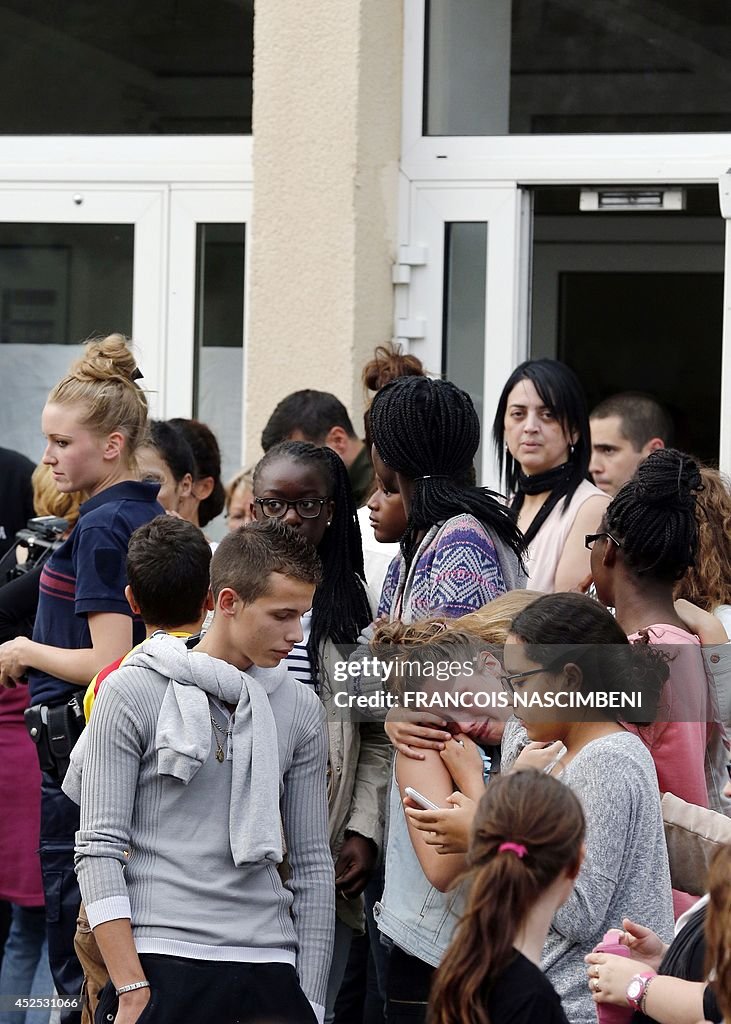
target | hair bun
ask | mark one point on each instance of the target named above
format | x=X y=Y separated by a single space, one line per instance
x=107 y=359
x=667 y=477
x=390 y=363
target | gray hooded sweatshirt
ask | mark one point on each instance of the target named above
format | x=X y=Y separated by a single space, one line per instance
x=187 y=845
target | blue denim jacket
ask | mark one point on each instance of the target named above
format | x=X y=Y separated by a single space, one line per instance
x=412 y=913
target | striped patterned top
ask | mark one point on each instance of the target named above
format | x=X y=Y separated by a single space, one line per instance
x=298 y=660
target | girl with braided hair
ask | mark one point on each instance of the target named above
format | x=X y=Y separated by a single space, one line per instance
x=646 y=542
x=542 y=441
x=461 y=547
x=307 y=488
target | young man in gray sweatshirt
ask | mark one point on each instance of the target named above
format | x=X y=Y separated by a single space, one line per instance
x=201 y=769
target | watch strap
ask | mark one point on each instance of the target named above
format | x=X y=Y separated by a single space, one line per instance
x=636 y=1002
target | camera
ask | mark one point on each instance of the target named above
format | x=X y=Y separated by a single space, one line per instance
x=40 y=537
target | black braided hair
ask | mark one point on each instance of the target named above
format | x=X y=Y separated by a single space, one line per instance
x=429 y=428
x=653 y=515
x=340 y=610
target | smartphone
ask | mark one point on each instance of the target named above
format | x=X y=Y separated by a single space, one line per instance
x=421 y=800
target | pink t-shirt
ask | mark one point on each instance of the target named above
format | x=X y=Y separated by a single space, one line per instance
x=678 y=748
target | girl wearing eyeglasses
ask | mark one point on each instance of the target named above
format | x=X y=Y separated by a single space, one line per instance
x=307 y=488
x=647 y=541
x=568 y=642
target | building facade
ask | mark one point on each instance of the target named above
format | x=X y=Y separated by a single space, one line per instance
x=483 y=180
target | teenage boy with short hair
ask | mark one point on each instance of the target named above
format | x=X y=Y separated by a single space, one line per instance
x=191 y=756
x=169 y=570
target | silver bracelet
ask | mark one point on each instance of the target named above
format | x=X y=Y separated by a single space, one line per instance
x=132 y=988
x=643 y=1001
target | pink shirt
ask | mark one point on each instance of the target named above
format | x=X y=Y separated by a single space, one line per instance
x=547 y=546
x=678 y=748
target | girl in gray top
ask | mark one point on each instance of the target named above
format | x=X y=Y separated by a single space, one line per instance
x=567 y=642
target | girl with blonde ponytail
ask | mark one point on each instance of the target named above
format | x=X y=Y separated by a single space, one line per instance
x=94 y=421
x=525 y=854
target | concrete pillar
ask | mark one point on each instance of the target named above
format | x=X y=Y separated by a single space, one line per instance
x=326 y=128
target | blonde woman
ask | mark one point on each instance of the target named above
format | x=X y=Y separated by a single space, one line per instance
x=94 y=421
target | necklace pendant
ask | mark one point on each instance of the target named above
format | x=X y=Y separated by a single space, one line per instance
x=220 y=755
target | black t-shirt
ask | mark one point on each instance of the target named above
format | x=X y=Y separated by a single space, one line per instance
x=685 y=958
x=523 y=995
x=16 y=496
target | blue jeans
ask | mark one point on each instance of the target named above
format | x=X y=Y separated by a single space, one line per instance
x=25 y=970
x=59 y=822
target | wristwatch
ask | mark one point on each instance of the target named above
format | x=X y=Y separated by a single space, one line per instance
x=637 y=989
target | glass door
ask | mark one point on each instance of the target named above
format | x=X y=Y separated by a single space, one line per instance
x=204 y=370
x=464 y=312
x=623 y=296
x=74 y=262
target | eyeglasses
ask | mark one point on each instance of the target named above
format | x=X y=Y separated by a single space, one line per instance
x=277 y=508
x=510 y=682
x=591 y=538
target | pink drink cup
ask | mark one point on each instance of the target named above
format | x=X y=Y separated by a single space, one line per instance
x=610 y=1013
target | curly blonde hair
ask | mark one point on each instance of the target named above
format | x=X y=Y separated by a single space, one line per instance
x=708 y=582
x=446 y=640
x=49 y=501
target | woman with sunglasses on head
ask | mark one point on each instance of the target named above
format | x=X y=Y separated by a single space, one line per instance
x=543 y=445
x=569 y=643
x=307 y=488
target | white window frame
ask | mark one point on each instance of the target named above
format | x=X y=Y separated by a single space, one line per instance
x=501 y=207
x=145 y=208
x=544 y=159
x=190 y=206
x=455 y=163
x=160 y=185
